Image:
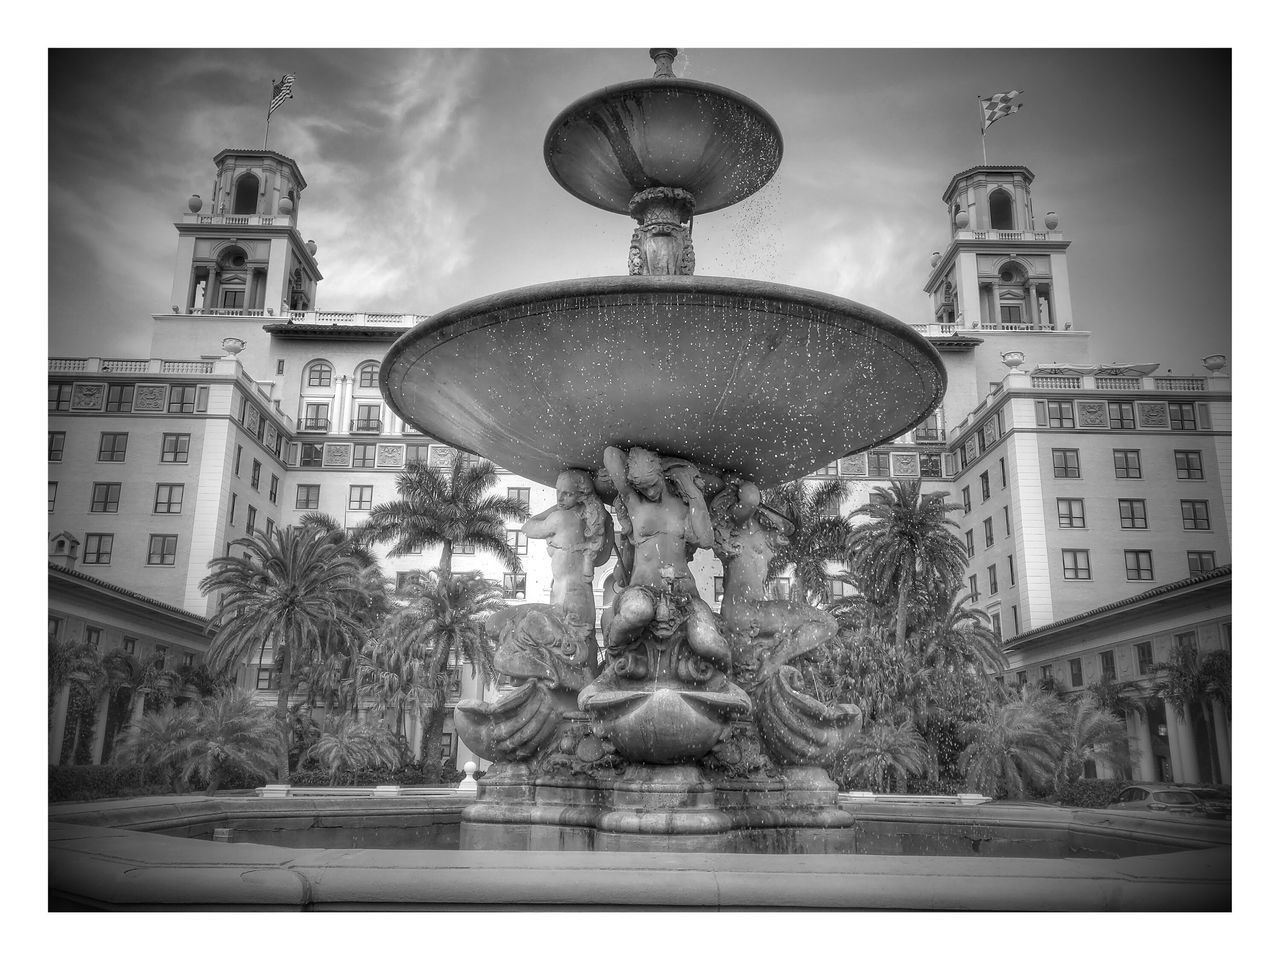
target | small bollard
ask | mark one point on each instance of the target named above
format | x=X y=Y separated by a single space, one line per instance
x=468 y=784
x=222 y=834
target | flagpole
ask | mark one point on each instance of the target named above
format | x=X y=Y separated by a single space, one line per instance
x=267 y=134
x=983 y=130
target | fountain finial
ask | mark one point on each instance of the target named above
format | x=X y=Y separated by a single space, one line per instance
x=662 y=57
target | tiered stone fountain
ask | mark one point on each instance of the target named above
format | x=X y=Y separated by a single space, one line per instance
x=672 y=399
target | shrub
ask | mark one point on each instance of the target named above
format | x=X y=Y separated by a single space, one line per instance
x=94 y=782
x=1089 y=793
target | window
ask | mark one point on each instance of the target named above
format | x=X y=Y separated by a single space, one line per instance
x=369 y=375
x=468 y=460
x=1004 y=474
x=168 y=498
x=1195 y=514
x=1022 y=678
x=930 y=465
x=973 y=587
x=161 y=654
x=1185 y=641
x=965 y=499
x=271 y=528
x=985 y=480
x=163 y=550
x=1200 y=561
x=231 y=514
x=360 y=497
x=1077 y=672
x=995 y=626
x=1137 y=565
x=1046 y=672
x=319 y=375
x=279 y=367
x=878 y=463
x=188 y=659
x=182 y=399
x=1120 y=415
x=97 y=547
x=266 y=678
x=111 y=447
x=417 y=451
x=1062 y=414
x=1075 y=565
x=1016 y=629
x=93 y=636
x=463 y=549
x=312 y=455
x=274 y=490
x=367 y=416
x=364 y=455
x=315 y=416
x=120 y=398
x=55 y=625
x=513 y=586
x=53 y=494
x=518 y=542
x=235 y=468
x=993 y=586
x=779 y=587
x=175 y=447
x=968 y=543
x=1066 y=463
x=1226 y=637
x=830 y=470
x=1188 y=464
x=255 y=474
x=1070 y=512
x=59 y=396
x=1108 y=666
x=129 y=645
x=1143 y=650
x=1128 y=464
x=407 y=579
x=988 y=532
x=57 y=441
x=838 y=588
x=1182 y=416
x=1133 y=514
x=1000 y=205
x=519 y=493
x=1013 y=576
x=1010 y=313
x=106 y=498
x=251 y=519
x=308 y=497
x=1008 y=530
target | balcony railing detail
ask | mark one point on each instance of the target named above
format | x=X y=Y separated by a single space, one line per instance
x=1180 y=383
x=186 y=366
x=233 y=219
x=343 y=318
x=1056 y=383
x=1008 y=235
x=314 y=425
x=125 y=366
x=1119 y=383
x=225 y=312
x=366 y=426
x=67 y=366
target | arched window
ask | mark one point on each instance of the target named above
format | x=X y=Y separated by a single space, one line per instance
x=1001 y=206
x=367 y=376
x=320 y=374
x=246 y=198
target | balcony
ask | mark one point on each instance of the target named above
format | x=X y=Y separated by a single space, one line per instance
x=365 y=426
x=927 y=435
x=314 y=425
x=1008 y=235
x=236 y=219
x=354 y=319
x=960 y=329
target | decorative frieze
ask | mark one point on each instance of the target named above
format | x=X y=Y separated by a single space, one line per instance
x=149 y=397
x=251 y=419
x=1153 y=416
x=337 y=455
x=855 y=466
x=440 y=457
x=88 y=396
x=390 y=455
x=1092 y=413
x=906 y=465
x=269 y=437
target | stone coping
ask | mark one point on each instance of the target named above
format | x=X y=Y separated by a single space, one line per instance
x=95 y=862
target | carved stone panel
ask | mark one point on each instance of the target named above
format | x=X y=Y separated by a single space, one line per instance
x=1153 y=416
x=148 y=397
x=88 y=396
x=1092 y=413
x=337 y=454
x=269 y=437
x=906 y=465
x=251 y=419
x=439 y=457
x=855 y=466
x=390 y=455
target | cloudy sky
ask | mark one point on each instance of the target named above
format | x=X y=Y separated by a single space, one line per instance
x=427 y=185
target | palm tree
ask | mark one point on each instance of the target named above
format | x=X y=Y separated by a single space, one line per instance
x=959 y=636
x=445 y=615
x=346 y=746
x=453 y=509
x=295 y=591
x=160 y=741
x=1089 y=732
x=885 y=749
x=1188 y=681
x=1014 y=746
x=908 y=544
x=820 y=534
x=232 y=734
x=77 y=665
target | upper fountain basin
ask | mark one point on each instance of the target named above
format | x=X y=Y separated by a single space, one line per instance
x=709 y=140
x=762 y=379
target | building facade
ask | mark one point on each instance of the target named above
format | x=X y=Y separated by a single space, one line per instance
x=1082 y=484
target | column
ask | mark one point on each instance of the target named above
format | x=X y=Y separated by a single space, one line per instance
x=1143 y=757
x=1223 y=738
x=138 y=706
x=1033 y=305
x=1176 y=757
x=100 y=728
x=58 y=723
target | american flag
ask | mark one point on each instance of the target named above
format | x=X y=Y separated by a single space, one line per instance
x=281 y=91
x=999 y=105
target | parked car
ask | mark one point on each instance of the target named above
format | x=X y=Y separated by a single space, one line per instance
x=1215 y=801
x=1158 y=797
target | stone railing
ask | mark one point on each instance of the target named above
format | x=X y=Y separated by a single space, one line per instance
x=354 y=319
x=226 y=312
x=98 y=365
x=949 y=329
x=1119 y=383
x=1055 y=383
x=1180 y=383
x=186 y=366
x=236 y=219
x=1008 y=235
x=66 y=366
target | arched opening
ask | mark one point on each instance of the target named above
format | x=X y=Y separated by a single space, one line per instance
x=246 y=198
x=1000 y=204
x=367 y=375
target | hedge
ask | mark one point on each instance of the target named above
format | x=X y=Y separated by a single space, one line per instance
x=1089 y=793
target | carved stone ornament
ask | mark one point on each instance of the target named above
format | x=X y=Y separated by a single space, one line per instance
x=390 y=455
x=1092 y=413
x=1154 y=416
x=661 y=245
x=855 y=466
x=337 y=455
x=251 y=419
x=148 y=397
x=269 y=437
x=88 y=396
x=906 y=465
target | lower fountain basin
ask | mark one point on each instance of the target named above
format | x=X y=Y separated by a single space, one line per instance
x=765 y=380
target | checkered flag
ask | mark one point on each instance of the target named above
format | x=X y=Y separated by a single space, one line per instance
x=999 y=105
x=281 y=91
